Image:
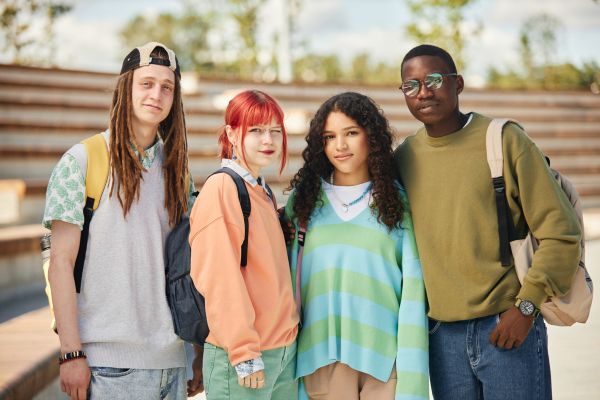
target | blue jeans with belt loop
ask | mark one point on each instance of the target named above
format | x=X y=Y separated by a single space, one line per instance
x=109 y=383
x=464 y=365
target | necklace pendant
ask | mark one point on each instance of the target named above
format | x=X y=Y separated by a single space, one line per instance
x=345 y=207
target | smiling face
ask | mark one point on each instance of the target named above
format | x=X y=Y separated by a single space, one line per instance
x=262 y=146
x=151 y=95
x=437 y=109
x=347 y=149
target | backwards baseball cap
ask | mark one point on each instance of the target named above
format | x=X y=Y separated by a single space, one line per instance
x=140 y=57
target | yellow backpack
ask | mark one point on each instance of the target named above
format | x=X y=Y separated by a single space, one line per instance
x=95 y=181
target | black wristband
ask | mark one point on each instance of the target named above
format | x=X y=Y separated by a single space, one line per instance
x=71 y=356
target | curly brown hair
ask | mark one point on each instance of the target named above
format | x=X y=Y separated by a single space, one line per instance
x=307 y=181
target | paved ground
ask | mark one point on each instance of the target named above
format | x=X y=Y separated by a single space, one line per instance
x=574 y=351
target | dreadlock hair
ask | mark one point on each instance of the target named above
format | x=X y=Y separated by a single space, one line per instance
x=246 y=109
x=126 y=166
x=307 y=181
x=430 y=50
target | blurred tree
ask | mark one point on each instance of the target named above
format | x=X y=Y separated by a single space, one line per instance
x=17 y=23
x=318 y=68
x=591 y=76
x=187 y=34
x=384 y=73
x=214 y=38
x=363 y=71
x=245 y=14
x=440 y=22
x=538 y=43
x=359 y=68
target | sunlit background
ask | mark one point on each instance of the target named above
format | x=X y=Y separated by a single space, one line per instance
x=508 y=43
x=535 y=61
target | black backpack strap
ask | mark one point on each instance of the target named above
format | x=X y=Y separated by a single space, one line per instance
x=495 y=159
x=271 y=195
x=88 y=213
x=505 y=224
x=246 y=208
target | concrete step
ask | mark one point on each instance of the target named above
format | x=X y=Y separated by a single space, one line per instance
x=57 y=78
x=38 y=163
x=28 y=355
x=390 y=94
x=561 y=151
x=87 y=80
x=93 y=120
x=69 y=98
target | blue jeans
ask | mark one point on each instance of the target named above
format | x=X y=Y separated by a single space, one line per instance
x=464 y=365
x=137 y=384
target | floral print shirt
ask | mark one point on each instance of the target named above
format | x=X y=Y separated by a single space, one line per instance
x=65 y=195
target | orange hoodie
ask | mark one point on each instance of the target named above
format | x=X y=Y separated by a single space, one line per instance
x=249 y=309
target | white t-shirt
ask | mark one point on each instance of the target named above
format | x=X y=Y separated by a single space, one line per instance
x=347 y=194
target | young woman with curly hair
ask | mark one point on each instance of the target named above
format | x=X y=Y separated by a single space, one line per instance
x=358 y=277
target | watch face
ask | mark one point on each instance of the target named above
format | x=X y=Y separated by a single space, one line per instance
x=526 y=307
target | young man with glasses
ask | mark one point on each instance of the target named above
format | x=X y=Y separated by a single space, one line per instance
x=482 y=345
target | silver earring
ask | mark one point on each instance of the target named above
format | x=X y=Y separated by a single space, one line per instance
x=233 y=156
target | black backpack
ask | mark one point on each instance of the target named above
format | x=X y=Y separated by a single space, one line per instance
x=185 y=302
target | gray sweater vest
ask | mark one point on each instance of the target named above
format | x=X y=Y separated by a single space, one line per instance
x=124 y=318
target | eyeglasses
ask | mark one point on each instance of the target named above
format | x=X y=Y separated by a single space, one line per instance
x=261 y=130
x=432 y=81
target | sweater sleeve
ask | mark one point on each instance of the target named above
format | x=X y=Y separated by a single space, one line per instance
x=216 y=235
x=412 y=359
x=550 y=218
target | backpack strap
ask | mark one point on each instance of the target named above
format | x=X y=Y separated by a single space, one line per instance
x=96 y=176
x=271 y=196
x=298 y=280
x=246 y=208
x=97 y=168
x=506 y=228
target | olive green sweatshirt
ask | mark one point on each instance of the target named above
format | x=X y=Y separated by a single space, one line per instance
x=454 y=212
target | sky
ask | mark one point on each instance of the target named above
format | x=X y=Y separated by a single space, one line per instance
x=88 y=35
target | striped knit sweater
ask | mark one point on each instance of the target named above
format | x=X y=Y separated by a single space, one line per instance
x=363 y=299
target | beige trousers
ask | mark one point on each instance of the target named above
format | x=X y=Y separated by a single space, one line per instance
x=338 y=381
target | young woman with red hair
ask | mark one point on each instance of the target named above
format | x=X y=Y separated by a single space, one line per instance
x=250 y=351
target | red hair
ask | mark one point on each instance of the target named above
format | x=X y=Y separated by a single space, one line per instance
x=250 y=108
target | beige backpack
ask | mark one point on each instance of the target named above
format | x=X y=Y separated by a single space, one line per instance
x=575 y=305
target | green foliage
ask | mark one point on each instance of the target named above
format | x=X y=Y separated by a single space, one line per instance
x=317 y=68
x=328 y=68
x=439 y=22
x=16 y=21
x=186 y=35
x=234 y=23
x=549 y=77
x=538 y=40
x=359 y=68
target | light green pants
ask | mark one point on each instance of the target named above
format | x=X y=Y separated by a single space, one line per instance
x=221 y=382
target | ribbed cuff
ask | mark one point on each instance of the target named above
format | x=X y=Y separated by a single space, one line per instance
x=140 y=356
x=533 y=293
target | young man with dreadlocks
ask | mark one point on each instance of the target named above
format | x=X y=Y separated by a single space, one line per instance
x=116 y=334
